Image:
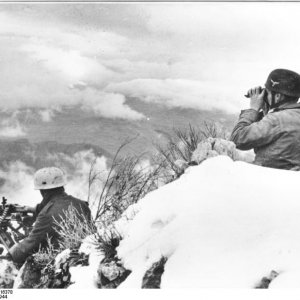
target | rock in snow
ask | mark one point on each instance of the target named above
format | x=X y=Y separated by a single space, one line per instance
x=8 y=274
x=212 y=147
x=152 y=277
x=222 y=224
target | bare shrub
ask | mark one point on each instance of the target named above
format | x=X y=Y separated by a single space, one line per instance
x=179 y=147
x=127 y=181
x=73 y=228
x=45 y=255
x=107 y=240
x=178 y=151
x=214 y=130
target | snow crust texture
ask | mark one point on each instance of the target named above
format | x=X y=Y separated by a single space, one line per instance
x=222 y=224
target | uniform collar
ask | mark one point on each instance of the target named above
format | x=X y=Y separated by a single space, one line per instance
x=287 y=105
x=51 y=195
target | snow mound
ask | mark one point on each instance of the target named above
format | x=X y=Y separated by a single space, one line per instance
x=222 y=224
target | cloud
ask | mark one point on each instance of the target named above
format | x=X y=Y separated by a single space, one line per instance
x=17 y=119
x=64 y=69
x=69 y=64
x=11 y=128
x=109 y=105
x=105 y=104
x=12 y=132
x=46 y=115
x=179 y=93
x=25 y=29
x=82 y=54
x=18 y=184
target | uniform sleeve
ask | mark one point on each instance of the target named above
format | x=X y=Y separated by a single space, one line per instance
x=251 y=132
x=42 y=227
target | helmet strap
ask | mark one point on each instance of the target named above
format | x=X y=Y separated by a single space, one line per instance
x=266 y=107
x=273 y=104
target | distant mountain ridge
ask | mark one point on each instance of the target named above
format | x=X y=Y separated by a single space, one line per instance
x=38 y=155
x=72 y=129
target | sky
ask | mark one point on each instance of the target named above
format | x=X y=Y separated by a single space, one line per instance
x=95 y=55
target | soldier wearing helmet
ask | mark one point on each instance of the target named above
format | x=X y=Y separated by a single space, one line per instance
x=272 y=124
x=50 y=182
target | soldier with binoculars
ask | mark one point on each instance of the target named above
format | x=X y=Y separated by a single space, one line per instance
x=271 y=126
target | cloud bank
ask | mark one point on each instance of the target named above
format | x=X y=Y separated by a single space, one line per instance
x=173 y=93
x=195 y=55
x=11 y=128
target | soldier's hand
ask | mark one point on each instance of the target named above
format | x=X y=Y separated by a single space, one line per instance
x=257 y=95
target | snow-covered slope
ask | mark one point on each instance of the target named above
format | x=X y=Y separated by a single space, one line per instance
x=222 y=224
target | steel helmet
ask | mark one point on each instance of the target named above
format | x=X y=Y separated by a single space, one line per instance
x=285 y=82
x=49 y=178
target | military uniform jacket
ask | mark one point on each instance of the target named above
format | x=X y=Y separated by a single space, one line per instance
x=275 y=137
x=50 y=209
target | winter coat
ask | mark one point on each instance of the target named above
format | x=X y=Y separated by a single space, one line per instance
x=275 y=137
x=50 y=209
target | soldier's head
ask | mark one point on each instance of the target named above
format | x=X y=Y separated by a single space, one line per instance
x=48 y=179
x=282 y=86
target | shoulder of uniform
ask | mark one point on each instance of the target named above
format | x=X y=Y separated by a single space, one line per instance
x=272 y=115
x=77 y=200
x=47 y=207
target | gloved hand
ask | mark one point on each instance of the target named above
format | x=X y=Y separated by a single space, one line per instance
x=257 y=95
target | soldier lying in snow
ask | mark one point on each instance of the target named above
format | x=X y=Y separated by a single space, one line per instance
x=50 y=182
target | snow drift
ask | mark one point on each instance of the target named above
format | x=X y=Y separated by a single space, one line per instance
x=222 y=224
